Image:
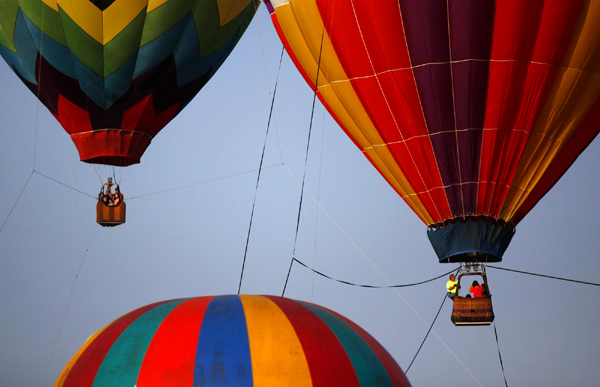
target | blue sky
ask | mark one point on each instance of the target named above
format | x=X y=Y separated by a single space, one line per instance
x=190 y=241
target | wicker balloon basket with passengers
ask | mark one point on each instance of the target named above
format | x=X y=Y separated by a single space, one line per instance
x=473 y=311
x=110 y=209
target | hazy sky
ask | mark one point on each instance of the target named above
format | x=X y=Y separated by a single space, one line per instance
x=190 y=242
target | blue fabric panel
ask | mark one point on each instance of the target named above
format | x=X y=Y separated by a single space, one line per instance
x=56 y=54
x=119 y=82
x=223 y=355
x=159 y=49
x=187 y=52
x=208 y=64
x=26 y=49
x=452 y=242
x=90 y=83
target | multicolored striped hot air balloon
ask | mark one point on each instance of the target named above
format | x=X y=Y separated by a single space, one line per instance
x=115 y=72
x=470 y=109
x=232 y=341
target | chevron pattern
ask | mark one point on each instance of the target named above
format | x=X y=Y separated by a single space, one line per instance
x=94 y=62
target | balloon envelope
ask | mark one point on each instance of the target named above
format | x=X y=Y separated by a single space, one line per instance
x=115 y=72
x=470 y=109
x=232 y=341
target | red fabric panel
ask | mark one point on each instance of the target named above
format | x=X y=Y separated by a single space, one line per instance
x=169 y=360
x=524 y=31
x=396 y=112
x=583 y=136
x=84 y=370
x=72 y=117
x=320 y=346
x=390 y=365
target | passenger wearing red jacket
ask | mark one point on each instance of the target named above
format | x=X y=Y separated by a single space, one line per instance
x=476 y=289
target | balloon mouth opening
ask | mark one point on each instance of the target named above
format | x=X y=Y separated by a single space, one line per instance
x=471 y=239
x=117 y=161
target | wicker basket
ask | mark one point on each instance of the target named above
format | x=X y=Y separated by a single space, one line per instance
x=472 y=311
x=110 y=216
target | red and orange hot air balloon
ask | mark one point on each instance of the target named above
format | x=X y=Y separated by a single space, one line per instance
x=470 y=109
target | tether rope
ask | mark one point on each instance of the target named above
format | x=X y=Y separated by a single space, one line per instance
x=17 y=201
x=312 y=283
x=201 y=182
x=429 y=330
x=545 y=276
x=66 y=185
x=68 y=303
x=500 y=355
x=373 y=286
x=262 y=157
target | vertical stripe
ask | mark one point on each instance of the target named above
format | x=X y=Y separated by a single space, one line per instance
x=122 y=363
x=369 y=41
x=392 y=368
x=366 y=364
x=275 y=349
x=577 y=143
x=530 y=39
x=575 y=90
x=471 y=27
x=170 y=358
x=84 y=370
x=223 y=353
x=328 y=361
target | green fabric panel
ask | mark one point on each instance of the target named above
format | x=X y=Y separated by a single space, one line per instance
x=82 y=45
x=8 y=19
x=206 y=18
x=123 y=362
x=164 y=18
x=225 y=33
x=236 y=26
x=124 y=45
x=52 y=20
x=368 y=368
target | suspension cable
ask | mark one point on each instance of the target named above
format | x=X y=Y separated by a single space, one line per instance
x=500 y=355
x=545 y=276
x=68 y=303
x=262 y=157
x=427 y=334
x=373 y=286
x=312 y=114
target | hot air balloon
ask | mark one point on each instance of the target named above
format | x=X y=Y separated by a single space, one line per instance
x=232 y=341
x=471 y=110
x=115 y=72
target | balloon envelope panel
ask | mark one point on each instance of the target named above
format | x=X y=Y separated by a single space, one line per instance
x=115 y=72
x=469 y=109
x=232 y=341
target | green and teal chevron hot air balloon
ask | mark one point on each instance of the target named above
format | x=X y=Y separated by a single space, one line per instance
x=115 y=72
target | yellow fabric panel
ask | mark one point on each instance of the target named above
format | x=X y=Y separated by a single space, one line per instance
x=277 y=355
x=229 y=9
x=153 y=4
x=119 y=15
x=86 y=15
x=52 y=4
x=302 y=26
x=102 y=26
x=574 y=92
x=65 y=372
